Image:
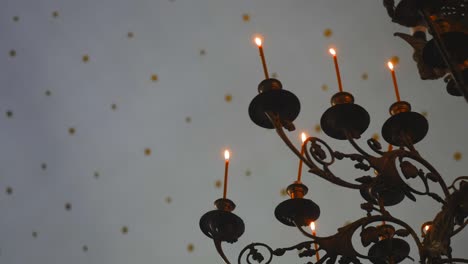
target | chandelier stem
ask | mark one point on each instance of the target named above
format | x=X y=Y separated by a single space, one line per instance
x=456 y=75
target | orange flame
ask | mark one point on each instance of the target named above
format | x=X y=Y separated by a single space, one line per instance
x=390 y=65
x=332 y=51
x=303 y=137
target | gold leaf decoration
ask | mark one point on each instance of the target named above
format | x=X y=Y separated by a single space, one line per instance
x=124 y=230
x=324 y=87
x=218 y=184
x=457 y=156
x=364 y=76
x=71 y=130
x=246 y=17
x=228 y=98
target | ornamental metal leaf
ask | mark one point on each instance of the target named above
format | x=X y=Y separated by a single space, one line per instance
x=257 y=256
x=409 y=170
x=279 y=252
x=365 y=179
x=307 y=253
x=402 y=232
x=369 y=235
x=431 y=176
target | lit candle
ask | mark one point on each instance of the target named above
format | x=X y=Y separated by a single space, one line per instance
x=395 y=84
x=299 y=173
x=258 y=41
x=337 y=68
x=226 y=167
x=312 y=227
x=390 y=147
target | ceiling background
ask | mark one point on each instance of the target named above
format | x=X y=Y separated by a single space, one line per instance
x=115 y=115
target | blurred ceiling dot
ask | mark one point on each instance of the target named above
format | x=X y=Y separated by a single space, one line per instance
x=376 y=136
x=85 y=248
x=71 y=131
x=283 y=192
x=168 y=199
x=248 y=172
x=395 y=60
x=34 y=234
x=85 y=58
x=457 y=156
x=188 y=119
x=55 y=14
x=130 y=34
x=48 y=93
x=324 y=87
x=124 y=230
x=190 y=247
x=154 y=77
x=9 y=114
x=202 y=52
x=424 y=113
x=96 y=174
x=218 y=183
x=44 y=166
x=68 y=206
x=274 y=75
x=16 y=18
x=147 y=151
x=228 y=98
x=12 y=53
x=365 y=76
x=317 y=128
x=246 y=17
x=9 y=190
x=114 y=107
x=327 y=33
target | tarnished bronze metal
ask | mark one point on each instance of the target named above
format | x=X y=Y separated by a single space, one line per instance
x=297 y=190
x=399 y=107
x=273 y=99
x=342 y=98
x=344 y=118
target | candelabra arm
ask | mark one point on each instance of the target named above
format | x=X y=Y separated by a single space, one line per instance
x=454 y=260
x=356 y=146
x=327 y=175
x=456 y=231
x=219 y=248
x=452 y=186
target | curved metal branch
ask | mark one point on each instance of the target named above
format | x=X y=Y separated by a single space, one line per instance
x=219 y=248
x=308 y=161
x=460 y=228
x=356 y=146
x=452 y=186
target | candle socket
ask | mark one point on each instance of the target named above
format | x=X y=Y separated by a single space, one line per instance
x=399 y=107
x=342 y=98
x=225 y=205
x=297 y=190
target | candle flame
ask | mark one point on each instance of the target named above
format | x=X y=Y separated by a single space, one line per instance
x=312 y=226
x=332 y=51
x=426 y=228
x=390 y=65
x=258 y=41
x=303 y=137
x=227 y=155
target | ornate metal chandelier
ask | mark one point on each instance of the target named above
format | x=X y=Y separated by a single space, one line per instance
x=445 y=55
x=384 y=184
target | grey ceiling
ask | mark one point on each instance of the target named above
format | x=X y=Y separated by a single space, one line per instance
x=93 y=148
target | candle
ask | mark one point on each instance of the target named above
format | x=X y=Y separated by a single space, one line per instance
x=337 y=68
x=312 y=227
x=395 y=84
x=226 y=167
x=390 y=147
x=258 y=41
x=299 y=173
